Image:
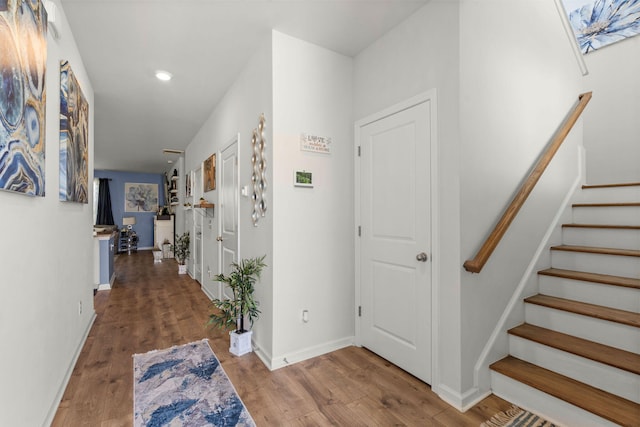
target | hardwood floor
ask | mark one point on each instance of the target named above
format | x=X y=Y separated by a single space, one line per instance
x=152 y=307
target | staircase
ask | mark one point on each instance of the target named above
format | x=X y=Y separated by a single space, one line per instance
x=576 y=359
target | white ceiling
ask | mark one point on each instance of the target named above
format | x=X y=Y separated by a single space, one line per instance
x=204 y=44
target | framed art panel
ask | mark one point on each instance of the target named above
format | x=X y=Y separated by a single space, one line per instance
x=74 y=138
x=598 y=23
x=23 y=53
x=140 y=197
x=302 y=179
x=210 y=173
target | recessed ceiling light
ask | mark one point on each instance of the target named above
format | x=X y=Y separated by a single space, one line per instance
x=165 y=76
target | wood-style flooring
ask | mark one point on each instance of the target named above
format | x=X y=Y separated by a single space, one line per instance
x=152 y=307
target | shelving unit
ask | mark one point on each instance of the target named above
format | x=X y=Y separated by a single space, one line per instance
x=205 y=209
x=128 y=241
x=173 y=192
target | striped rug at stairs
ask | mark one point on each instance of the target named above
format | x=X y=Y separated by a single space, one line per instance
x=516 y=417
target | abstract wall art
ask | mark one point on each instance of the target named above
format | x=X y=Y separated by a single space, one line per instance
x=598 y=23
x=259 y=175
x=74 y=138
x=210 y=173
x=23 y=59
x=140 y=197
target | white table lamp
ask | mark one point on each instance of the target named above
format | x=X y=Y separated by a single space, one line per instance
x=129 y=221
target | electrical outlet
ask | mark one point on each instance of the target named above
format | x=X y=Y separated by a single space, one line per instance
x=79 y=308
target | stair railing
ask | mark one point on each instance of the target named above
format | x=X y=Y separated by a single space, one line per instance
x=476 y=264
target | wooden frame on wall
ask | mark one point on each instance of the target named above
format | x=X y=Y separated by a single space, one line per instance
x=209 y=175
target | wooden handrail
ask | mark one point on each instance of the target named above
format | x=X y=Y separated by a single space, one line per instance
x=475 y=265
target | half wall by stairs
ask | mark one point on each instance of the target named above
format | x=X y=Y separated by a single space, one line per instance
x=576 y=359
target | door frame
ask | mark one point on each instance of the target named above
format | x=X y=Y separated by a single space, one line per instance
x=234 y=140
x=428 y=96
x=198 y=192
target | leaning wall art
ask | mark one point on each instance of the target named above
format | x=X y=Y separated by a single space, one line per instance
x=23 y=59
x=598 y=23
x=74 y=138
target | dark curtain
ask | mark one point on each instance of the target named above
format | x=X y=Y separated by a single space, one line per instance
x=105 y=214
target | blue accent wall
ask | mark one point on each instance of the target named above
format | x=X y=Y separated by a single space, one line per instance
x=144 y=220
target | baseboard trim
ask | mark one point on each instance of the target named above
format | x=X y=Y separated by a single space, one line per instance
x=207 y=293
x=262 y=355
x=461 y=401
x=308 y=353
x=65 y=381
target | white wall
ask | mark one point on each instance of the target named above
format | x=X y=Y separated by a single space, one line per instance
x=47 y=269
x=312 y=227
x=306 y=233
x=420 y=54
x=518 y=80
x=612 y=127
x=238 y=112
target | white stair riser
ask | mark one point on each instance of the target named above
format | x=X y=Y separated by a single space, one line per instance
x=602 y=237
x=601 y=331
x=619 y=215
x=625 y=266
x=552 y=409
x=613 y=380
x=611 y=195
x=593 y=293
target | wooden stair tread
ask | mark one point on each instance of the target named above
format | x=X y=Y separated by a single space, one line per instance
x=597 y=311
x=609 y=226
x=596 y=401
x=597 y=250
x=605 y=205
x=628 y=282
x=624 y=184
x=611 y=356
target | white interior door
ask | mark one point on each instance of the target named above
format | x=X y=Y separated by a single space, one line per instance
x=228 y=236
x=395 y=242
x=197 y=229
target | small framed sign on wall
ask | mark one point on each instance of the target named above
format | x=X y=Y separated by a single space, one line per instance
x=303 y=179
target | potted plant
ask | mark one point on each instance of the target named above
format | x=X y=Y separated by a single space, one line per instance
x=231 y=313
x=181 y=251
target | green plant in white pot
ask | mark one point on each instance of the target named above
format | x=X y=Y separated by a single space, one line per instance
x=231 y=313
x=182 y=251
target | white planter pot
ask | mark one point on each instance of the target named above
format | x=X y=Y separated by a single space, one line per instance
x=182 y=268
x=240 y=343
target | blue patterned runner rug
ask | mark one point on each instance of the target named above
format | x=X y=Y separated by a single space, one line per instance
x=184 y=386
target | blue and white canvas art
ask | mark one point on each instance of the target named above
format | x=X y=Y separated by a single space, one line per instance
x=140 y=197
x=598 y=23
x=23 y=59
x=74 y=138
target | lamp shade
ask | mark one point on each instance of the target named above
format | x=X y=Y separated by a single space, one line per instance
x=129 y=220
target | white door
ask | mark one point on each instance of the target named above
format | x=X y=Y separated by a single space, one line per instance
x=228 y=234
x=395 y=241
x=197 y=228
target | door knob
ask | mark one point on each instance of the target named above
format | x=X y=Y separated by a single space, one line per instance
x=422 y=257
x=219 y=238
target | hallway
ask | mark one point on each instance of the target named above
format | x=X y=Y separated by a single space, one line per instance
x=151 y=307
